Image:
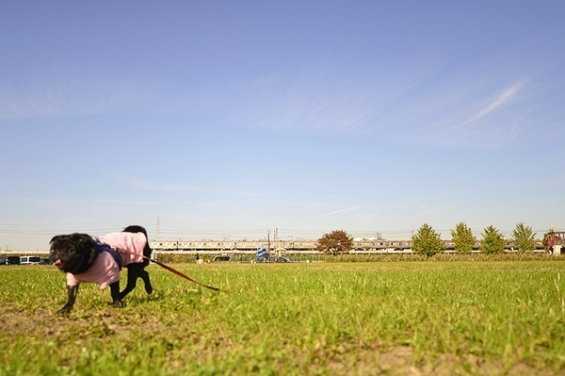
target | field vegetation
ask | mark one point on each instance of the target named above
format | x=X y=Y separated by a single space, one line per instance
x=434 y=317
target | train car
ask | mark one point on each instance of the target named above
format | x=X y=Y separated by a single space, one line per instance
x=164 y=245
x=249 y=244
x=306 y=245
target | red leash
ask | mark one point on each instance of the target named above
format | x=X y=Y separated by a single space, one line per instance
x=182 y=275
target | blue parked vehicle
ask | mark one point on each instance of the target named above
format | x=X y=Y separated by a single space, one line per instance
x=263 y=255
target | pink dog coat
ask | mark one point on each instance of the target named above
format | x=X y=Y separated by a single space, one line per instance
x=129 y=245
x=105 y=270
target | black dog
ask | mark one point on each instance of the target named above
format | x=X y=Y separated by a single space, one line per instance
x=86 y=259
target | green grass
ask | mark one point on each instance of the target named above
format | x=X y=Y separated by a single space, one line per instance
x=320 y=318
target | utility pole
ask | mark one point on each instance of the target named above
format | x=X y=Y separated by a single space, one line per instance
x=277 y=246
x=158 y=228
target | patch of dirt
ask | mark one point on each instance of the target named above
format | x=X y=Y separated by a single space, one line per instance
x=44 y=323
x=401 y=360
x=522 y=369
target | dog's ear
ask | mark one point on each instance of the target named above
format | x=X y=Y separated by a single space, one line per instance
x=84 y=249
x=57 y=238
x=88 y=246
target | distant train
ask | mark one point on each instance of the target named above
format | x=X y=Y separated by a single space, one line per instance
x=287 y=245
x=298 y=246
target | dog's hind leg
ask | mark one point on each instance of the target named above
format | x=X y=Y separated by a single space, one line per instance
x=147 y=281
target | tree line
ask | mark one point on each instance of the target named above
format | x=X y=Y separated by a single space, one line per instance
x=427 y=241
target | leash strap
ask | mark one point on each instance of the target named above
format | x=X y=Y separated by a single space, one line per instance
x=182 y=275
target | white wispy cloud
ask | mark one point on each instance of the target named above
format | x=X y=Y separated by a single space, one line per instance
x=500 y=100
x=144 y=185
x=343 y=210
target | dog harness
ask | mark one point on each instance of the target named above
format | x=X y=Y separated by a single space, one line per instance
x=103 y=247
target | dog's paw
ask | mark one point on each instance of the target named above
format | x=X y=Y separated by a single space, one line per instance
x=64 y=311
x=118 y=304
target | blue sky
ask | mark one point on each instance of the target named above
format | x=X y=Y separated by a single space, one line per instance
x=226 y=119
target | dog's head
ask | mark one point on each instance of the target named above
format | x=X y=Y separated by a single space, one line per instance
x=73 y=253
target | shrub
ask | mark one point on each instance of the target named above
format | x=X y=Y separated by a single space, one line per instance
x=463 y=238
x=493 y=241
x=426 y=241
x=524 y=238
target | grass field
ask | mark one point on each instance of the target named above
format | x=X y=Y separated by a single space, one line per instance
x=321 y=318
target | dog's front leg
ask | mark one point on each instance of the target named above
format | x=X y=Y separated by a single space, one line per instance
x=72 y=292
x=115 y=292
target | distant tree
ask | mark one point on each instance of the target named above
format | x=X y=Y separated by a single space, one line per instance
x=463 y=238
x=548 y=239
x=524 y=238
x=426 y=241
x=335 y=242
x=493 y=241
